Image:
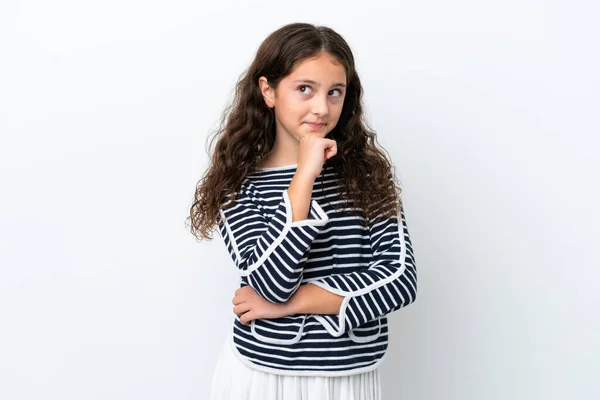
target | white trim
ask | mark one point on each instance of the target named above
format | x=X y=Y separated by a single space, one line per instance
x=277 y=168
x=334 y=342
x=286 y=228
x=230 y=234
x=341 y=318
x=368 y=288
x=359 y=292
x=313 y=222
x=286 y=372
x=366 y=339
x=266 y=339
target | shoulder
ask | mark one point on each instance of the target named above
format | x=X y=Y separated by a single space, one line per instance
x=245 y=196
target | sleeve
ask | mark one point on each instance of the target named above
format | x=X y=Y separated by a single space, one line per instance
x=270 y=253
x=389 y=282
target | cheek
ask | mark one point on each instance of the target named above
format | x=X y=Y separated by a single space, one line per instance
x=294 y=110
x=338 y=109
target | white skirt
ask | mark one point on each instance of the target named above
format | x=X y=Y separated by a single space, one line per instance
x=233 y=380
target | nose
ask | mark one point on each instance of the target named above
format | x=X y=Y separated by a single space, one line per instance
x=320 y=105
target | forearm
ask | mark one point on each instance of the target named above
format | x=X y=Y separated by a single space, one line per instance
x=300 y=192
x=311 y=299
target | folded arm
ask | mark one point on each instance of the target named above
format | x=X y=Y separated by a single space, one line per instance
x=389 y=282
x=270 y=253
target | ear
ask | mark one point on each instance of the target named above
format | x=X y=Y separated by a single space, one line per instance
x=267 y=92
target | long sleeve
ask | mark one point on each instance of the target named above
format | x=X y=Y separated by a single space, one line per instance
x=389 y=282
x=270 y=253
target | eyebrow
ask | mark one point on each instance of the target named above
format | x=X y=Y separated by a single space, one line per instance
x=339 y=84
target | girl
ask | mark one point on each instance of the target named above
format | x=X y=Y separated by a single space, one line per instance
x=309 y=211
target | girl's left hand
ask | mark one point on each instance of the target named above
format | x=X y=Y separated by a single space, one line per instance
x=248 y=305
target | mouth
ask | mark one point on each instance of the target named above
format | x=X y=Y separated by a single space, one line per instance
x=315 y=125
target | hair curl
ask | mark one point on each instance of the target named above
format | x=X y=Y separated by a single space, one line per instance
x=246 y=132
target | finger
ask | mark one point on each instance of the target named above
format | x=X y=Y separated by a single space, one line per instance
x=330 y=142
x=331 y=152
x=244 y=290
x=241 y=290
x=238 y=299
x=241 y=308
x=247 y=317
x=331 y=145
x=242 y=294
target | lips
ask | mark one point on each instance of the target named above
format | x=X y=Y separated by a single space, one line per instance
x=315 y=125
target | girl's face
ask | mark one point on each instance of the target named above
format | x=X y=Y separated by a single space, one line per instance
x=308 y=101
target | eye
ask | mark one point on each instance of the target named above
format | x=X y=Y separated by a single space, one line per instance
x=338 y=90
x=305 y=87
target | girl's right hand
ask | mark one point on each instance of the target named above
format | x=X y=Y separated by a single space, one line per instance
x=312 y=154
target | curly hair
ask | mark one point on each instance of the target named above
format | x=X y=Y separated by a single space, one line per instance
x=246 y=132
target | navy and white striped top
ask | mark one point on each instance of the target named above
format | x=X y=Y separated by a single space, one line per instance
x=372 y=267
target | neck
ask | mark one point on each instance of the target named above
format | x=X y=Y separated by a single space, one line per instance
x=284 y=151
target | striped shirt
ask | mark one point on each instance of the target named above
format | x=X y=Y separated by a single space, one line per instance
x=372 y=267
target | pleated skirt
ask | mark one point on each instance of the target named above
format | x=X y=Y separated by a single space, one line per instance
x=233 y=380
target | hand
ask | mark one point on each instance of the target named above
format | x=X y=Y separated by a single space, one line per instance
x=312 y=154
x=248 y=305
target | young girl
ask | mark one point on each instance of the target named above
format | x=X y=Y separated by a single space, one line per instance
x=308 y=209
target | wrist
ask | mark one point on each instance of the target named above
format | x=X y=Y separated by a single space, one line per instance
x=304 y=176
x=292 y=306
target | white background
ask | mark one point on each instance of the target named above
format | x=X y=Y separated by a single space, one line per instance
x=488 y=108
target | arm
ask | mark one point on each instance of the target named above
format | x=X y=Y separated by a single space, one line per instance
x=389 y=282
x=308 y=299
x=311 y=299
x=270 y=254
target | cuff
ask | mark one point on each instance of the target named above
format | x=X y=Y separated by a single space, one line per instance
x=316 y=215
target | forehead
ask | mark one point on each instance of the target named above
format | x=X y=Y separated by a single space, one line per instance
x=323 y=69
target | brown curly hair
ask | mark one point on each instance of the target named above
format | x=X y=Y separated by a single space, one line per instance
x=246 y=132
